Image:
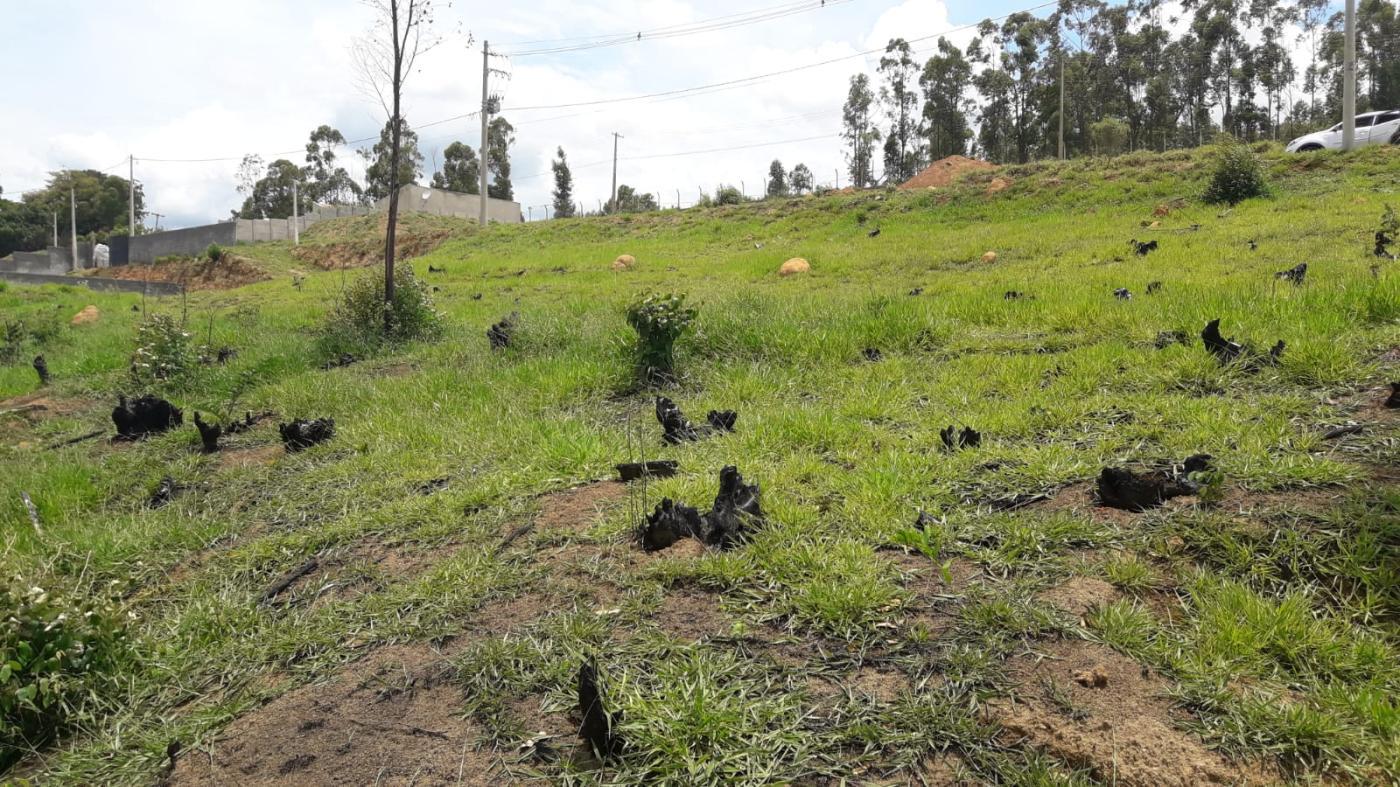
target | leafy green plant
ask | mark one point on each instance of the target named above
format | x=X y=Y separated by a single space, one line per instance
x=659 y=321
x=356 y=324
x=1237 y=176
x=16 y=334
x=55 y=650
x=1210 y=489
x=213 y=252
x=728 y=195
x=163 y=351
x=929 y=542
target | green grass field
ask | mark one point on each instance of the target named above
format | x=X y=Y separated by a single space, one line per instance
x=1247 y=639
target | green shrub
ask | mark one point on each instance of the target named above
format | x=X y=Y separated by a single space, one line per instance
x=163 y=352
x=356 y=324
x=213 y=252
x=658 y=320
x=728 y=195
x=56 y=651
x=16 y=334
x=1110 y=136
x=1238 y=175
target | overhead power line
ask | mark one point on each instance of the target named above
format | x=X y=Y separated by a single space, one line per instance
x=681 y=153
x=711 y=25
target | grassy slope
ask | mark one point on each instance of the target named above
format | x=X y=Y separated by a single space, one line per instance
x=846 y=452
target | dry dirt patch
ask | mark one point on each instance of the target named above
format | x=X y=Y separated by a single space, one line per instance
x=1121 y=730
x=690 y=615
x=393 y=718
x=945 y=171
x=1080 y=596
x=228 y=272
x=580 y=508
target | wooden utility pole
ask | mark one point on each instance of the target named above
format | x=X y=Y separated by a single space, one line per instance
x=485 y=119
x=1349 y=80
x=616 y=137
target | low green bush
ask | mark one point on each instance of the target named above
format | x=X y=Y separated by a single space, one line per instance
x=163 y=352
x=213 y=252
x=56 y=650
x=1237 y=176
x=357 y=323
x=659 y=321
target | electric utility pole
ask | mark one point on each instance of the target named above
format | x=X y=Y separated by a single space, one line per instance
x=1062 y=103
x=485 y=117
x=130 y=195
x=1349 y=80
x=73 y=223
x=616 y=137
x=55 y=229
x=296 y=217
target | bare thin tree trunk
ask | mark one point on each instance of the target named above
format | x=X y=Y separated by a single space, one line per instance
x=391 y=225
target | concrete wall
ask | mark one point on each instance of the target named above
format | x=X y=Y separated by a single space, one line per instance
x=96 y=283
x=454 y=203
x=189 y=241
x=54 y=261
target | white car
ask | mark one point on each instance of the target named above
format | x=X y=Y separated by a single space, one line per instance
x=1372 y=128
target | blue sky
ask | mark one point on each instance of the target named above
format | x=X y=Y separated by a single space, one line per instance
x=91 y=82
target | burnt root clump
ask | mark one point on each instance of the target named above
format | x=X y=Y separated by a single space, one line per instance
x=676 y=428
x=1393 y=401
x=209 y=434
x=1142 y=249
x=599 y=728
x=669 y=523
x=499 y=335
x=872 y=354
x=249 y=420
x=1129 y=490
x=41 y=368
x=300 y=434
x=736 y=512
x=954 y=439
x=144 y=415
x=1295 y=274
x=1123 y=294
x=165 y=492
x=1153 y=287
x=1228 y=351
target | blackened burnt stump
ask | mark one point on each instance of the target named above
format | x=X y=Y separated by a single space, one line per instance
x=676 y=428
x=165 y=492
x=144 y=415
x=208 y=433
x=953 y=439
x=736 y=511
x=652 y=468
x=669 y=523
x=722 y=420
x=1393 y=401
x=1228 y=351
x=499 y=335
x=1143 y=249
x=599 y=727
x=301 y=434
x=1296 y=274
x=1120 y=487
x=41 y=368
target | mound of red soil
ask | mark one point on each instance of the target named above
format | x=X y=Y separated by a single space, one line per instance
x=944 y=171
x=195 y=274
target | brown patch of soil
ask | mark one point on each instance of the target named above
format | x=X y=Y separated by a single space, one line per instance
x=36 y=406
x=689 y=616
x=254 y=456
x=359 y=254
x=351 y=570
x=945 y=171
x=882 y=685
x=1078 y=498
x=1080 y=595
x=195 y=274
x=1121 y=731
x=999 y=184
x=580 y=508
x=392 y=718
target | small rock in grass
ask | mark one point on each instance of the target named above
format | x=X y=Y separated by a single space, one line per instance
x=1094 y=678
x=300 y=434
x=88 y=315
x=794 y=266
x=624 y=262
x=989 y=257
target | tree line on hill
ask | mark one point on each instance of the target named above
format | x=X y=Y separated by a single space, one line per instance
x=1116 y=77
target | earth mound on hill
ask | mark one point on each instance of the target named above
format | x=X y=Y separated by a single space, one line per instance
x=944 y=171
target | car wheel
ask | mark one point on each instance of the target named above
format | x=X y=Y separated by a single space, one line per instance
x=1309 y=148
x=1395 y=138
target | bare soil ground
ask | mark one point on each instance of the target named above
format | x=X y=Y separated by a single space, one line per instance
x=945 y=171
x=229 y=272
x=1119 y=726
